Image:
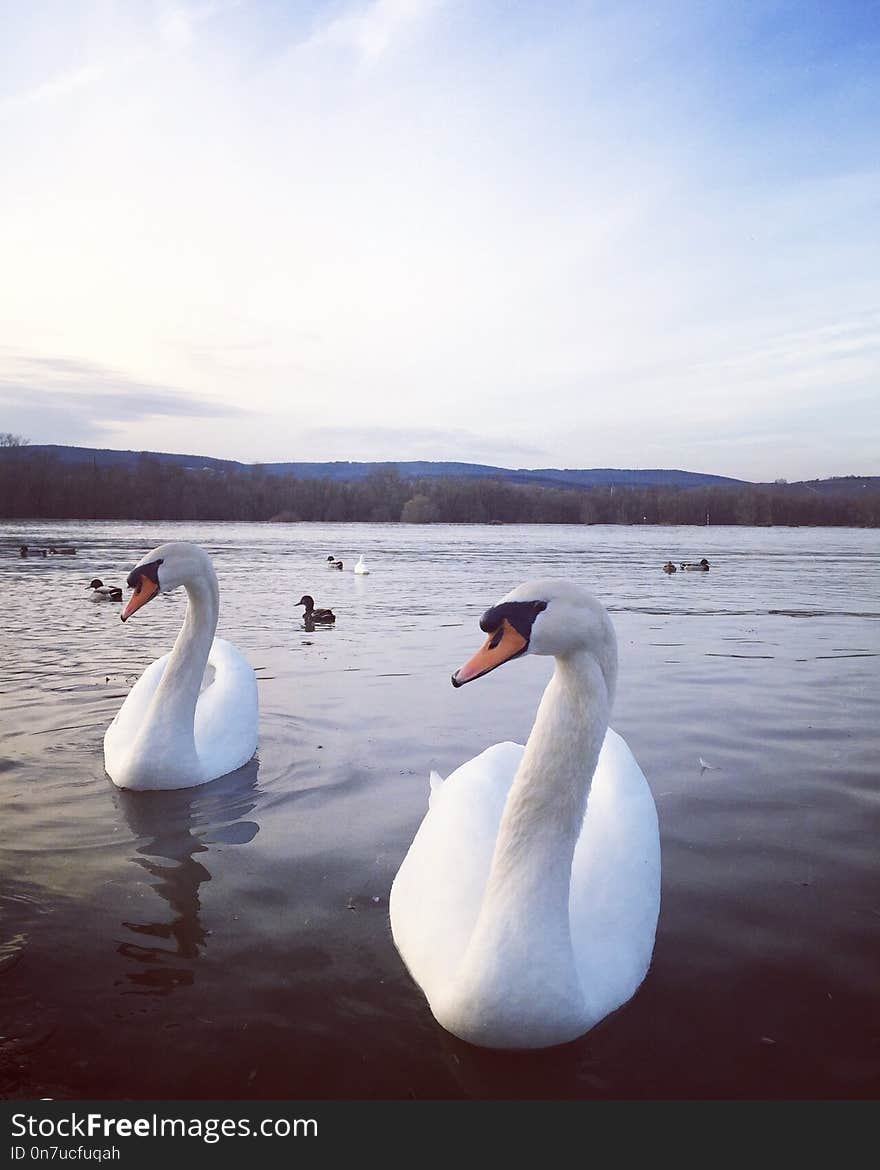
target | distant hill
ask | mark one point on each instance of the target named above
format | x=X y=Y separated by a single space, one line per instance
x=842 y=485
x=409 y=469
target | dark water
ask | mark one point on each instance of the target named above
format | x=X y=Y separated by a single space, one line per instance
x=232 y=941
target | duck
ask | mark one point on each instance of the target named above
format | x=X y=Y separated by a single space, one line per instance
x=526 y=906
x=193 y=714
x=669 y=567
x=25 y=550
x=332 y=563
x=102 y=592
x=361 y=568
x=62 y=552
x=315 y=615
x=701 y=566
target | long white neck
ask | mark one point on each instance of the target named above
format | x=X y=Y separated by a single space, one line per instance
x=522 y=937
x=174 y=705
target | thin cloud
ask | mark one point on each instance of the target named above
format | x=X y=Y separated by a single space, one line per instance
x=36 y=387
x=369 y=30
x=176 y=26
x=61 y=86
x=135 y=400
x=178 y=22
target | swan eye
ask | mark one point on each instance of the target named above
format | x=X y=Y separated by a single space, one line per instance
x=520 y=614
x=136 y=576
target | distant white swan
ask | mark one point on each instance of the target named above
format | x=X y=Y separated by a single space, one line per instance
x=527 y=905
x=361 y=568
x=169 y=732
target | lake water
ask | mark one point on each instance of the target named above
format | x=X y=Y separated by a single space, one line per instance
x=232 y=941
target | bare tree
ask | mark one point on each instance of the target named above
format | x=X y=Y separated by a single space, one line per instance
x=36 y=484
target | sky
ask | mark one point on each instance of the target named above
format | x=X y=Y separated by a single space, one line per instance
x=544 y=233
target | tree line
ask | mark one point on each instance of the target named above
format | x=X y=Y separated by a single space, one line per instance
x=34 y=485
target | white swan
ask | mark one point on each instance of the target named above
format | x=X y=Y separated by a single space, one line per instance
x=361 y=568
x=167 y=734
x=527 y=905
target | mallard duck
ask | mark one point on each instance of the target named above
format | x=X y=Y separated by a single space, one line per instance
x=25 y=551
x=62 y=552
x=669 y=567
x=332 y=563
x=315 y=615
x=102 y=592
x=696 y=566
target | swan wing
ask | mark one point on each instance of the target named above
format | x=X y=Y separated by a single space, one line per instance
x=127 y=721
x=225 y=727
x=614 y=901
x=436 y=895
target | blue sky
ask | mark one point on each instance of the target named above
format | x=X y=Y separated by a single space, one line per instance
x=529 y=234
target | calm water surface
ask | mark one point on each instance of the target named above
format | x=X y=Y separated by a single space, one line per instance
x=232 y=941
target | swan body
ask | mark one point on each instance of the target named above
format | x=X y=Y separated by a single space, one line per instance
x=527 y=904
x=102 y=592
x=361 y=568
x=192 y=715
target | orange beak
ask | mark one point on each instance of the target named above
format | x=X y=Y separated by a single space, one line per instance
x=501 y=645
x=145 y=591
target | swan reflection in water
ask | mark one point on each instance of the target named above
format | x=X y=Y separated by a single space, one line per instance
x=170 y=829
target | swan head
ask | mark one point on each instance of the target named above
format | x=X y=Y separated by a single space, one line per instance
x=165 y=568
x=546 y=616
